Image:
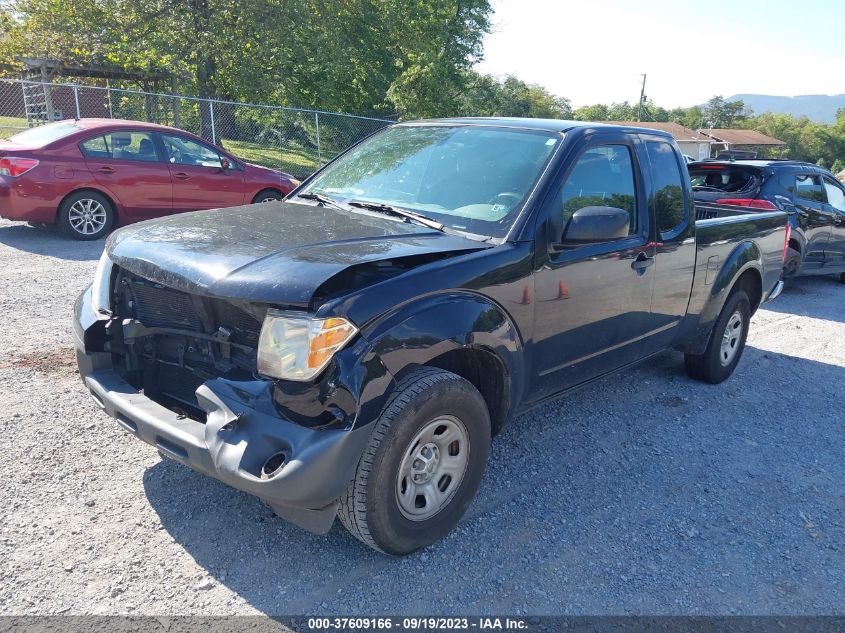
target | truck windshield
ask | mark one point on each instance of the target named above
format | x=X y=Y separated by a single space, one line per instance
x=469 y=178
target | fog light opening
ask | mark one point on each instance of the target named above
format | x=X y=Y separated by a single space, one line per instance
x=273 y=465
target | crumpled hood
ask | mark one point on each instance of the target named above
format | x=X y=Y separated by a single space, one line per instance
x=276 y=252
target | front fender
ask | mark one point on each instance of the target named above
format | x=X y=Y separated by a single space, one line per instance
x=417 y=333
x=358 y=382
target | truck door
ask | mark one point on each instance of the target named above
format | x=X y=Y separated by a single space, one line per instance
x=593 y=298
x=673 y=237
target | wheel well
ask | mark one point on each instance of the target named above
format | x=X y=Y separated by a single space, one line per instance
x=91 y=189
x=752 y=284
x=487 y=373
x=274 y=189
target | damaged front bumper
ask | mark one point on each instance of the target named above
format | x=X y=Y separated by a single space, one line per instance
x=244 y=442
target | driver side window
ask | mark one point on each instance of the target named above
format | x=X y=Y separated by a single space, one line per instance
x=185 y=151
x=602 y=177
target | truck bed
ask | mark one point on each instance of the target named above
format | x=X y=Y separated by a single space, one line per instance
x=729 y=231
x=710 y=210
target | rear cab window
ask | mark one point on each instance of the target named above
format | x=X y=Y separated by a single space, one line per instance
x=668 y=184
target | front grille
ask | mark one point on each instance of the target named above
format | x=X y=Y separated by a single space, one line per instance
x=156 y=305
x=195 y=339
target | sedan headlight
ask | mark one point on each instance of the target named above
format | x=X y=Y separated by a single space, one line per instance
x=294 y=347
x=100 y=289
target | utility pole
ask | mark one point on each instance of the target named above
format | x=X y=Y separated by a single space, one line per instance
x=642 y=101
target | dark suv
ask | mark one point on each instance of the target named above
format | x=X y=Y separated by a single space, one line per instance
x=812 y=196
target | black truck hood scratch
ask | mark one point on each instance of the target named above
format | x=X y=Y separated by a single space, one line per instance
x=278 y=252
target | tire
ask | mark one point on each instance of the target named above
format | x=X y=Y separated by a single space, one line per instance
x=86 y=215
x=792 y=263
x=719 y=361
x=430 y=405
x=267 y=195
x=842 y=278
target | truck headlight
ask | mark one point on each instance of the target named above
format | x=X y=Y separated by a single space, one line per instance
x=293 y=347
x=101 y=288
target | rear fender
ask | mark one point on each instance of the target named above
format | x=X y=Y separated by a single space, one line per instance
x=746 y=256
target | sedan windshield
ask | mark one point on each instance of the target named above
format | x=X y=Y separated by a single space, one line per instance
x=469 y=178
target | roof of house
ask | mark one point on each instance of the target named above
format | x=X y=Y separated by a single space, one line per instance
x=742 y=137
x=678 y=131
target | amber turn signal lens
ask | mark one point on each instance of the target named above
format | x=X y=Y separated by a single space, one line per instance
x=327 y=339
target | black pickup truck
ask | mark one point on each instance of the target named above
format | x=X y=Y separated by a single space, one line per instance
x=353 y=349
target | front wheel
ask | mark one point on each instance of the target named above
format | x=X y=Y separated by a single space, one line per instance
x=423 y=465
x=268 y=195
x=727 y=341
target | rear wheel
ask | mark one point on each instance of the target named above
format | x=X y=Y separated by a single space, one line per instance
x=792 y=263
x=268 y=195
x=842 y=278
x=86 y=215
x=423 y=464
x=727 y=341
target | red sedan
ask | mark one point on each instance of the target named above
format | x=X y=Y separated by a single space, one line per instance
x=91 y=175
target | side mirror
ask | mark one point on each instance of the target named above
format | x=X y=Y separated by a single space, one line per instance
x=225 y=164
x=597 y=224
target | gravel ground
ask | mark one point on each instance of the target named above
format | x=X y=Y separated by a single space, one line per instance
x=644 y=493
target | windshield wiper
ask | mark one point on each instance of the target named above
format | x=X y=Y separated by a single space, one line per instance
x=396 y=211
x=321 y=198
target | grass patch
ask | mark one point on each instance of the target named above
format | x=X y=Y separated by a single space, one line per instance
x=297 y=162
x=11 y=125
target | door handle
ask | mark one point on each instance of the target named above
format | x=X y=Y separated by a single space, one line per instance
x=181 y=175
x=642 y=262
x=105 y=170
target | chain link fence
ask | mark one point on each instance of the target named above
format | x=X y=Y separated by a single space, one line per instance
x=293 y=140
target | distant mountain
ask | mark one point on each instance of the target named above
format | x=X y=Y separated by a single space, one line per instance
x=821 y=108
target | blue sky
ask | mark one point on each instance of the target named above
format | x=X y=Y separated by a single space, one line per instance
x=594 y=51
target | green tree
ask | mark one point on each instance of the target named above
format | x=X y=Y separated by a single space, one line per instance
x=718 y=113
x=597 y=112
x=514 y=97
x=622 y=112
x=362 y=56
